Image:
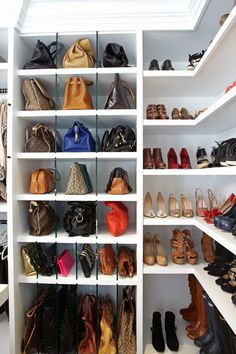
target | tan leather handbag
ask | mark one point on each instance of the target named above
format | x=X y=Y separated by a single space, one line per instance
x=77 y=95
x=80 y=55
x=36 y=97
x=107 y=258
x=42 y=181
x=118 y=182
x=107 y=340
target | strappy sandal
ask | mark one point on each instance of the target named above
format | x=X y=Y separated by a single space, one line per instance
x=177 y=247
x=201 y=206
x=152 y=111
x=191 y=254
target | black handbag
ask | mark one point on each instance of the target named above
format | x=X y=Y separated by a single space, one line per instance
x=87 y=259
x=118 y=95
x=43 y=57
x=114 y=55
x=121 y=138
x=50 y=255
x=80 y=219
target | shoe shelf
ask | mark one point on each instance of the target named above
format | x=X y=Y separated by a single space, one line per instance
x=171 y=268
x=3 y=293
x=216 y=171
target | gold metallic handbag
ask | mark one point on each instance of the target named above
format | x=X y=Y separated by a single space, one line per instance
x=80 y=55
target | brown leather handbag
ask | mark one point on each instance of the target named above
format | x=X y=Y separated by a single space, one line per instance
x=40 y=139
x=42 y=218
x=107 y=259
x=42 y=181
x=80 y=55
x=77 y=95
x=36 y=96
x=126 y=262
x=118 y=95
x=88 y=343
x=118 y=182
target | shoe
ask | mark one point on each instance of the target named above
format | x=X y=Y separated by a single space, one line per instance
x=148 y=211
x=172 y=159
x=157 y=334
x=161 y=257
x=162 y=114
x=233 y=298
x=173 y=207
x=191 y=254
x=149 y=254
x=177 y=247
x=230 y=286
x=213 y=206
x=161 y=208
x=230 y=275
x=230 y=152
x=227 y=223
x=154 y=65
x=194 y=59
x=170 y=328
x=202 y=159
x=187 y=206
x=167 y=65
x=190 y=313
x=157 y=159
x=151 y=111
x=87 y=260
x=223 y=19
x=175 y=114
x=201 y=207
x=147 y=158
x=199 y=111
x=185 y=114
x=207 y=248
x=185 y=159
x=226 y=209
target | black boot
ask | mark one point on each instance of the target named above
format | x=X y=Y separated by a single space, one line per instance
x=171 y=338
x=157 y=334
x=225 y=335
x=208 y=337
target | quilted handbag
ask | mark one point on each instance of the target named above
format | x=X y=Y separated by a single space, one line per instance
x=120 y=138
x=80 y=55
x=36 y=97
x=79 y=181
x=77 y=95
x=114 y=56
x=79 y=139
x=65 y=262
x=117 y=219
x=80 y=219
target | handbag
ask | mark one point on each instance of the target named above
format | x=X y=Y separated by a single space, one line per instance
x=107 y=339
x=33 y=258
x=43 y=57
x=40 y=139
x=107 y=259
x=114 y=56
x=80 y=55
x=117 y=97
x=79 y=181
x=127 y=323
x=87 y=259
x=126 y=262
x=120 y=138
x=117 y=219
x=80 y=219
x=79 y=139
x=88 y=344
x=65 y=262
x=42 y=181
x=36 y=97
x=77 y=95
x=42 y=218
x=118 y=182
x=50 y=255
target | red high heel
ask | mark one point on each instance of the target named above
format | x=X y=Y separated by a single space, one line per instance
x=185 y=160
x=172 y=159
x=215 y=210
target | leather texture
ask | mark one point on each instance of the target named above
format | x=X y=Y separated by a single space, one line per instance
x=40 y=139
x=42 y=218
x=114 y=56
x=107 y=259
x=126 y=262
x=79 y=139
x=77 y=95
x=88 y=343
x=87 y=259
x=117 y=219
x=118 y=182
x=120 y=138
x=107 y=312
x=36 y=97
x=42 y=57
x=79 y=181
x=65 y=262
x=118 y=95
x=80 y=55
x=42 y=181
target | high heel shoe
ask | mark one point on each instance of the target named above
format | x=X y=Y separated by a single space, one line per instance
x=173 y=207
x=161 y=208
x=149 y=254
x=161 y=257
x=201 y=206
x=191 y=254
x=177 y=246
x=213 y=206
x=226 y=209
x=227 y=223
x=172 y=159
x=185 y=159
x=187 y=206
x=148 y=211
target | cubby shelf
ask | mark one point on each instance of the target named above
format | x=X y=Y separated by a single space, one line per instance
x=75 y=113
x=224 y=171
x=3 y=207
x=74 y=71
x=3 y=293
x=75 y=155
x=83 y=197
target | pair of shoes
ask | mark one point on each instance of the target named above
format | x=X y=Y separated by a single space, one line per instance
x=182 y=114
x=153 y=250
x=194 y=59
x=154 y=65
x=156 y=111
x=148 y=209
x=182 y=246
x=158 y=341
x=173 y=162
x=154 y=159
x=226 y=220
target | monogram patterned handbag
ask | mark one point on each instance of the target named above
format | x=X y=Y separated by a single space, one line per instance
x=79 y=181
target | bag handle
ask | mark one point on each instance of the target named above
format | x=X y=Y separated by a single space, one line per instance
x=129 y=90
x=56 y=51
x=79 y=80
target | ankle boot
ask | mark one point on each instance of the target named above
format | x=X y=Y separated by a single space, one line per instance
x=157 y=334
x=172 y=159
x=157 y=159
x=208 y=337
x=147 y=158
x=198 y=328
x=171 y=338
x=190 y=313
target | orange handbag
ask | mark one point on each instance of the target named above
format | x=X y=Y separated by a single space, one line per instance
x=77 y=95
x=42 y=181
x=117 y=219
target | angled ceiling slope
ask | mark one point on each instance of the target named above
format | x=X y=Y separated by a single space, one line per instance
x=75 y=15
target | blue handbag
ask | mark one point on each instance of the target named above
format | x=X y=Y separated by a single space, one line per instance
x=79 y=139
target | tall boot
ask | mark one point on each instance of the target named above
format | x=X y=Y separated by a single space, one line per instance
x=208 y=337
x=225 y=336
x=207 y=248
x=190 y=313
x=200 y=327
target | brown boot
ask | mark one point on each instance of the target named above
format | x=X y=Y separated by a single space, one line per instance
x=190 y=313
x=207 y=248
x=200 y=327
x=147 y=158
x=157 y=158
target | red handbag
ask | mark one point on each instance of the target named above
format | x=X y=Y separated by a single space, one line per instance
x=117 y=219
